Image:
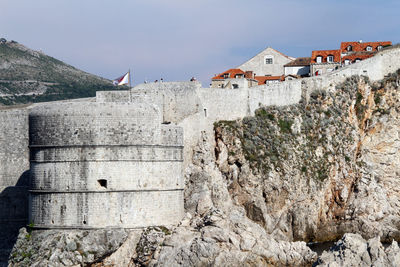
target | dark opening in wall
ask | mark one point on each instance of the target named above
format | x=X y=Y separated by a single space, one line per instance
x=102 y=183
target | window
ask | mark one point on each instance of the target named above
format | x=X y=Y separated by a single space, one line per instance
x=269 y=59
x=226 y=75
x=357 y=60
x=349 y=48
x=379 y=47
x=102 y=183
x=346 y=62
x=319 y=59
x=235 y=86
x=238 y=76
x=369 y=48
x=329 y=58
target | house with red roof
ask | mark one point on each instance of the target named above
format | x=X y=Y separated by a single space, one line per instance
x=353 y=52
x=360 y=46
x=269 y=79
x=266 y=67
x=233 y=78
x=324 y=61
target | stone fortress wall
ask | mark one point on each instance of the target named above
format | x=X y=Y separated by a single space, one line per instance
x=103 y=165
x=14 y=165
x=182 y=105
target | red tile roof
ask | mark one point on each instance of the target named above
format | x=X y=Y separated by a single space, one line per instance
x=358 y=47
x=325 y=54
x=263 y=79
x=231 y=74
x=357 y=55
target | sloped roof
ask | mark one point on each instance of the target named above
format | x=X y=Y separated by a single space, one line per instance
x=263 y=79
x=231 y=72
x=280 y=53
x=291 y=58
x=325 y=54
x=358 y=55
x=358 y=47
x=301 y=61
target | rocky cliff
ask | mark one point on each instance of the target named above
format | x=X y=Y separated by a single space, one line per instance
x=28 y=76
x=315 y=171
x=266 y=185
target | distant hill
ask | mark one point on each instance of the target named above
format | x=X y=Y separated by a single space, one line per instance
x=28 y=76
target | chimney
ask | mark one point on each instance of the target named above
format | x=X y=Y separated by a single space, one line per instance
x=249 y=74
x=360 y=41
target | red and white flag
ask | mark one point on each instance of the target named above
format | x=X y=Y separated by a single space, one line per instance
x=124 y=79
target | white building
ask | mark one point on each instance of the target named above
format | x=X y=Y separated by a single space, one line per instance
x=268 y=62
x=299 y=67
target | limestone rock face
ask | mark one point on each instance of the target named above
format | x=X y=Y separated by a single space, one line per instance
x=353 y=250
x=65 y=248
x=218 y=233
x=317 y=170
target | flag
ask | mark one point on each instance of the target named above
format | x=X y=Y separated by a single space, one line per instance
x=124 y=79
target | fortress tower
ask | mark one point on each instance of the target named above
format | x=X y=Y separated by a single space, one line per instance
x=97 y=165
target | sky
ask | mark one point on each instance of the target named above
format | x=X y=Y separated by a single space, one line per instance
x=179 y=39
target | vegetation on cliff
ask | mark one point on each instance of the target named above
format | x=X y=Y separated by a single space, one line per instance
x=304 y=131
x=30 y=76
x=299 y=170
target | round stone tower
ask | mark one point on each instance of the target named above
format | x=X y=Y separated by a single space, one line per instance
x=97 y=165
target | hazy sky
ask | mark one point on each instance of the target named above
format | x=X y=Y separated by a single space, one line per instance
x=178 y=39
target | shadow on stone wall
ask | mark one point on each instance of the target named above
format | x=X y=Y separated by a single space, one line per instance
x=13 y=215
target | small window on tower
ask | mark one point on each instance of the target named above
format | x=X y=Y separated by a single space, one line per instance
x=102 y=183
